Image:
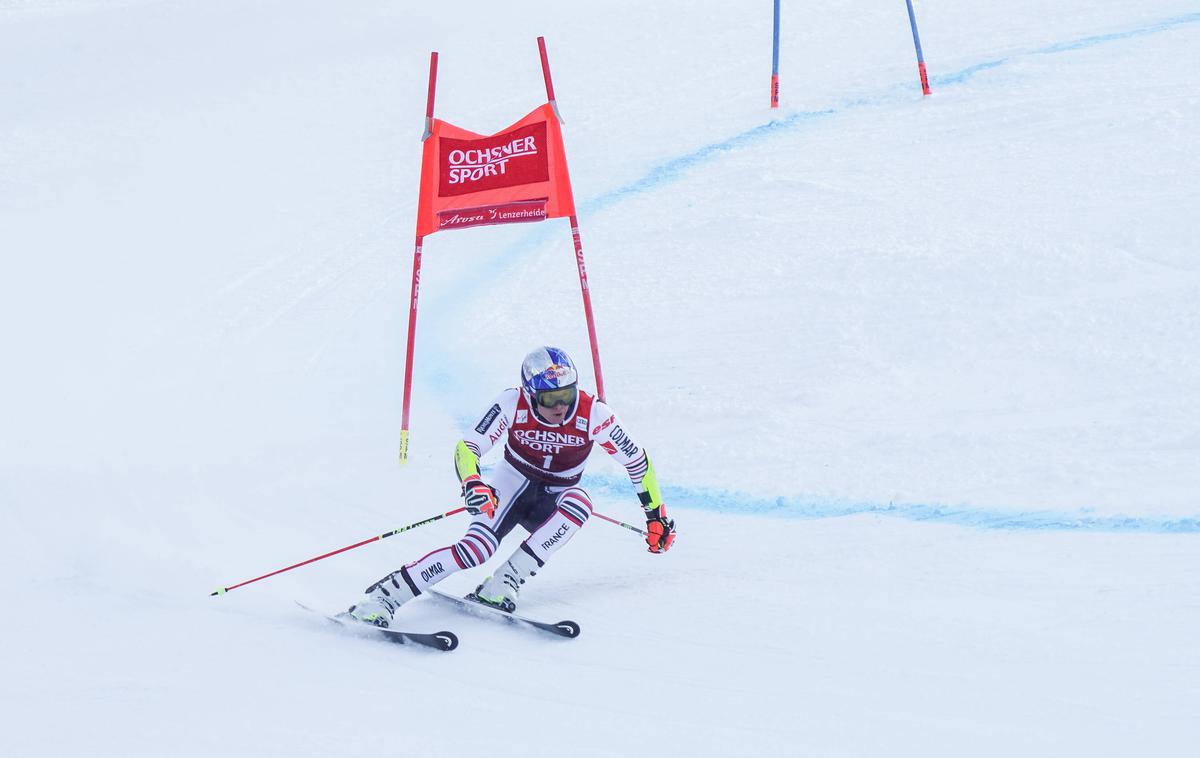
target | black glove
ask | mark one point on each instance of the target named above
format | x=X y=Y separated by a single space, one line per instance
x=479 y=497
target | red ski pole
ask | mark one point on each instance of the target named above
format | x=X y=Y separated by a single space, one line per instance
x=429 y=520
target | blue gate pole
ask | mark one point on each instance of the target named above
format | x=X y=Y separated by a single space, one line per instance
x=912 y=21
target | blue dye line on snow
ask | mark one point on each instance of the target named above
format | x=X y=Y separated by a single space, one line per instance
x=1082 y=43
x=959 y=77
x=676 y=168
x=1101 y=39
x=725 y=501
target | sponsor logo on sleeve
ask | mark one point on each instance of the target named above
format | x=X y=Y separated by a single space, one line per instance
x=432 y=571
x=558 y=536
x=487 y=419
x=499 y=431
x=622 y=441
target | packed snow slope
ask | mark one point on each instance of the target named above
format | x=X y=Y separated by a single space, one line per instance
x=919 y=375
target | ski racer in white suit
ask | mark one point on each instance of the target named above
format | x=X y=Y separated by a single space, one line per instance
x=548 y=427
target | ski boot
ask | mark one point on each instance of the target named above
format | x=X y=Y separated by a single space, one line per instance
x=500 y=590
x=382 y=599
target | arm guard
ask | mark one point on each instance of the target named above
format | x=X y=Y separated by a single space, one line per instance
x=466 y=463
x=649 y=493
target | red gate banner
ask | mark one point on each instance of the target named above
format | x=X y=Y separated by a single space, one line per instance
x=517 y=175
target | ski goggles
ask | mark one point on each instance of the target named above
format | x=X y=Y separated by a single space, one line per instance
x=555 y=398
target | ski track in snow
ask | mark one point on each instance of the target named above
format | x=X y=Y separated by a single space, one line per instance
x=805 y=507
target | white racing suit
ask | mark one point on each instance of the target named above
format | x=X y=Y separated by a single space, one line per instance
x=536 y=482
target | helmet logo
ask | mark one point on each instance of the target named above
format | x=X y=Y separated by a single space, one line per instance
x=556 y=371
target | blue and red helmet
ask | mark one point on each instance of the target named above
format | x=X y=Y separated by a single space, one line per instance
x=548 y=376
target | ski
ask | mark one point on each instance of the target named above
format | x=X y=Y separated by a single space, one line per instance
x=444 y=641
x=562 y=628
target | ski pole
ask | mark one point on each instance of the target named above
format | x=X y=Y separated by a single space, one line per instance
x=394 y=532
x=630 y=527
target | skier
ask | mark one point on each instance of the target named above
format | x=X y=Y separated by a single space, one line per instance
x=549 y=427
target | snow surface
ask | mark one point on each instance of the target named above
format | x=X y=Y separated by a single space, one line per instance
x=919 y=375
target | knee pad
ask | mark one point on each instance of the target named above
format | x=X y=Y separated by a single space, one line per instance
x=476 y=546
x=573 y=510
x=575 y=504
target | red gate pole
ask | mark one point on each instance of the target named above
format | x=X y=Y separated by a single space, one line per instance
x=408 y=357
x=416 y=281
x=583 y=281
x=587 y=308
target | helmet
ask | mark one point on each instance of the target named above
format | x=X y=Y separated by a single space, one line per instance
x=548 y=376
